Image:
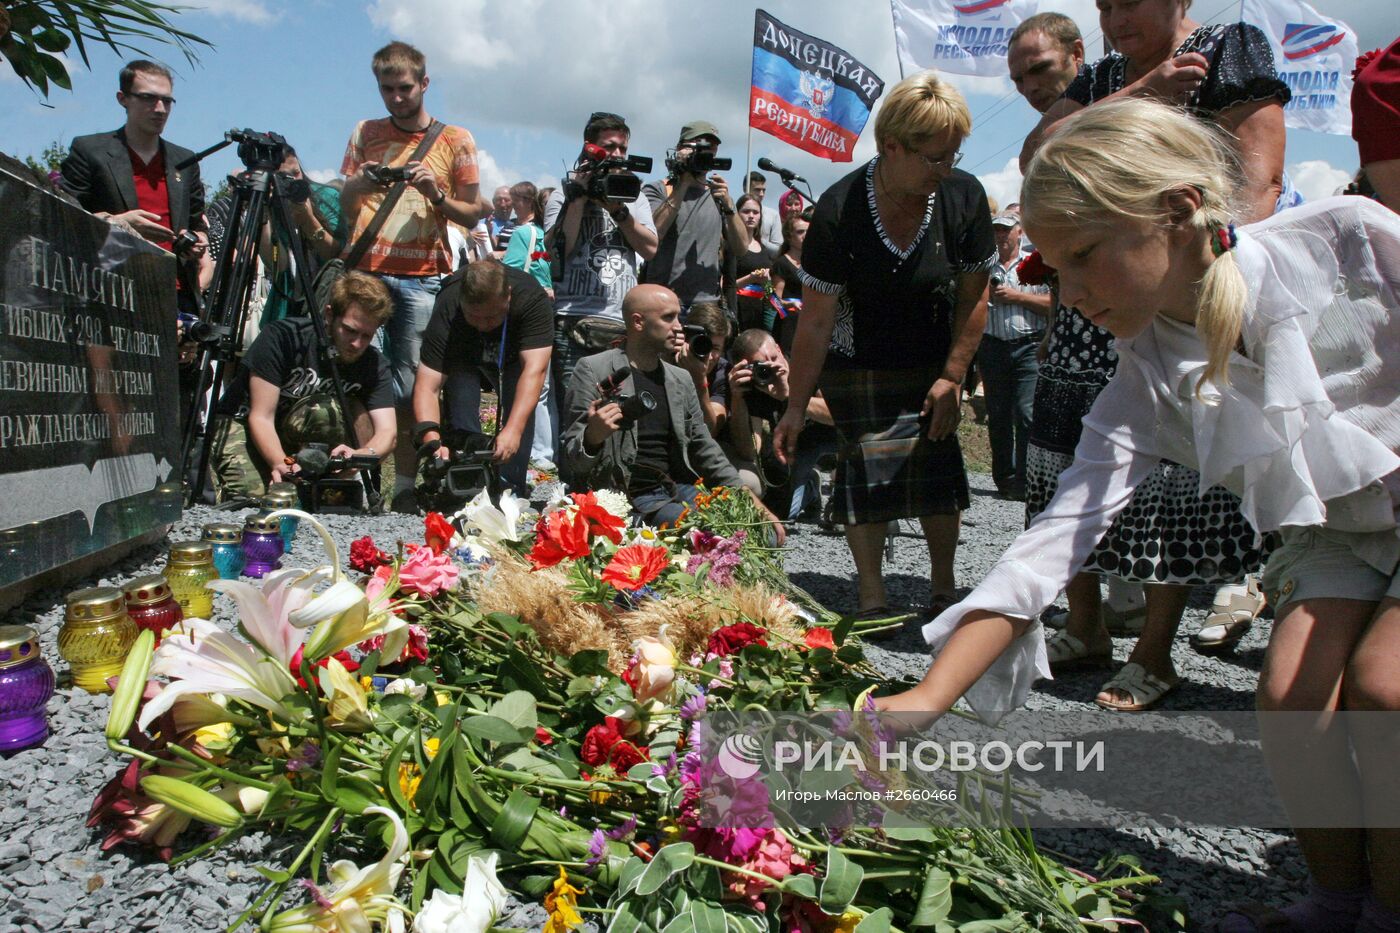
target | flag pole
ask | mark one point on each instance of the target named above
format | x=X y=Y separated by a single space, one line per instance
x=748 y=162
x=894 y=27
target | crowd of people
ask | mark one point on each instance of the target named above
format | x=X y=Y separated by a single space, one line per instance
x=1186 y=369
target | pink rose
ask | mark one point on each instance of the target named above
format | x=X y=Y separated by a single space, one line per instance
x=428 y=574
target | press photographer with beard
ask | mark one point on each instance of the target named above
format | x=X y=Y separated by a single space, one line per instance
x=656 y=452
x=694 y=215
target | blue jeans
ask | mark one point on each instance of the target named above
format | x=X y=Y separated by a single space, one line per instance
x=1009 y=370
x=546 y=434
x=414 y=297
x=462 y=400
x=812 y=445
x=662 y=505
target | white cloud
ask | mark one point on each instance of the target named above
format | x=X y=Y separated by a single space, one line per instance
x=322 y=175
x=1003 y=185
x=1317 y=179
x=247 y=11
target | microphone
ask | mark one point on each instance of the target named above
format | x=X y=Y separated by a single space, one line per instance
x=787 y=175
x=313 y=461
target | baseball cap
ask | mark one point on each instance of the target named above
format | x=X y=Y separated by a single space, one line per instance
x=697 y=128
x=1005 y=220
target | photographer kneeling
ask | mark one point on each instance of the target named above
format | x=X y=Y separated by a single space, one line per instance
x=491 y=324
x=651 y=442
x=283 y=397
x=758 y=392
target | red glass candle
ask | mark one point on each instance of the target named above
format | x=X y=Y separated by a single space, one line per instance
x=151 y=605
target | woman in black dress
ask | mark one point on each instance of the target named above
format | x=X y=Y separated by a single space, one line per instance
x=752 y=269
x=1171 y=537
x=787 y=278
x=893 y=270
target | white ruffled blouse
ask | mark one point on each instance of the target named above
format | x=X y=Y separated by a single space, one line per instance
x=1306 y=432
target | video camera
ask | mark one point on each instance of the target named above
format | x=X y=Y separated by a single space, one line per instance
x=320 y=485
x=701 y=160
x=447 y=484
x=388 y=174
x=205 y=333
x=610 y=178
x=633 y=406
x=259 y=150
x=699 y=340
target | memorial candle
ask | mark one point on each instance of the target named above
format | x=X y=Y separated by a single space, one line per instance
x=26 y=684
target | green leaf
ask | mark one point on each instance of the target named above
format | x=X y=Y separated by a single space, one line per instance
x=492 y=729
x=707 y=918
x=330 y=771
x=390 y=774
x=678 y=856
x=628 y=918
x=518 y=709
x=590 y=663
x=842 y=881
x=275 y=875
x=935 y=900
x=876 y=922
x=522 y=759
x=630 y=875
x=353 y=794
x=680 y=923
x=513 y=822
x=804 y=886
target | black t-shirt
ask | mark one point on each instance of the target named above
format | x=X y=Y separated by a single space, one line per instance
x=763 y=406
x=894 y=309
x=450 y=344
x=784 y=270
x=286 y=355
x=658 y=454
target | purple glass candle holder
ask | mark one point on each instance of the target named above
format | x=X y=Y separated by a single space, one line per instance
x=26 y=684
x=262 y=546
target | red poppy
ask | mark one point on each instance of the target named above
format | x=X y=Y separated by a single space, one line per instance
x=734 y=638
x=819 y=637
x=600 y=521
x=365 y=557
x=636 y=565
x=437 y=532
x=1033 y=271
x=559 y=535
x=349 y=663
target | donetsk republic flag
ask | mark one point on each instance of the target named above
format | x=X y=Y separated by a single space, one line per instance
x=808 y=92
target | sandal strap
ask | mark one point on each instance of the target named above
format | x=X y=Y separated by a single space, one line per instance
x=1133 y=679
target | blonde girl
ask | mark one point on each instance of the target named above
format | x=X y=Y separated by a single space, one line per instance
x=1264 y=356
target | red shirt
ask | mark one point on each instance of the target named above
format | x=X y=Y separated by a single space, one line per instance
x=151 y=192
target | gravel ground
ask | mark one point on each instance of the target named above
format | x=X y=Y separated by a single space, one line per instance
x=59 y=879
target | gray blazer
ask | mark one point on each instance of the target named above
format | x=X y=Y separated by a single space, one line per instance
x=97 y=172
x=611 y=466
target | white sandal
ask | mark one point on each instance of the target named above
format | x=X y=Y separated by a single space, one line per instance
x=1146 y=690
x=1231 y=616
x=1067 y=653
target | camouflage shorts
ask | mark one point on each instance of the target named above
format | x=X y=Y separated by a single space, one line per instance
x=241 y=472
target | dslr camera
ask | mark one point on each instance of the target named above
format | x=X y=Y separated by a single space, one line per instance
x=388 y=174
x=446 y=485
x=609 y=178
x=763 y=371
x=633 y=406
x=698 y=339
x=323 y=485
x=701 y=160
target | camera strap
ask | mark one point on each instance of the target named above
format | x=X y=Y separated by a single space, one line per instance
x=366 y=237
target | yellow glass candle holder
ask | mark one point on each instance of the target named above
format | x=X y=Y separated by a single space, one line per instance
x=95 y=637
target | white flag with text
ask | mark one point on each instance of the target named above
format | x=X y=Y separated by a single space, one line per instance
x=962 y=36
x=1314 y=56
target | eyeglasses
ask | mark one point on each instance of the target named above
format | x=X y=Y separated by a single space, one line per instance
x=947 y=162
x=146 y=97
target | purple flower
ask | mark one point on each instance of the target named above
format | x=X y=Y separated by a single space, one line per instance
x=307 y=757
x=663 y=769
x=627 y=827
x=597 y=844
x=720 y=554
x=694 y=707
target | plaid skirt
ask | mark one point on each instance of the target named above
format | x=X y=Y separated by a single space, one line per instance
x=886 y=466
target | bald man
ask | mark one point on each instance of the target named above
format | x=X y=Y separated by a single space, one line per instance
x=501 y=223
x=658 y=456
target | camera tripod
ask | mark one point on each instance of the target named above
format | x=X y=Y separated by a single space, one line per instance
x=259 y=192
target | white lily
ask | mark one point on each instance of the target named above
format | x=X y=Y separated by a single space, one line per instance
x=344 y=617
x=263 y=611
x=203 y=659
x=360 y=897
x=481 y=903
x=492 y=522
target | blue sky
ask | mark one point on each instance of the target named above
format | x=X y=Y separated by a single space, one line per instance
x=523 y=76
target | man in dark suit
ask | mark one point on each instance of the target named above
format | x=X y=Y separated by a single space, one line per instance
x=128 y=176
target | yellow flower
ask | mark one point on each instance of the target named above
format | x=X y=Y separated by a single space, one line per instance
x=670 y=832
x=562 y=904
x=849 y=921
x=431 y=747
x=345 y=702
x=409 y=779
x=366 y=684
x=443 y=697
x=216 y=737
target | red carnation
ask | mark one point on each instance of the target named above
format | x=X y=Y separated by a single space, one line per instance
x=542 y=736
x=365 y=557
x=599 y=520
x=599 y=741
x=819 y=637
x=1033 y=271
x=437 y=532
x=625 y=755
x=734 y=638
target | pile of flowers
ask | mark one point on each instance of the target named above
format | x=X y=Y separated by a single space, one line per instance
x=450 y=750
